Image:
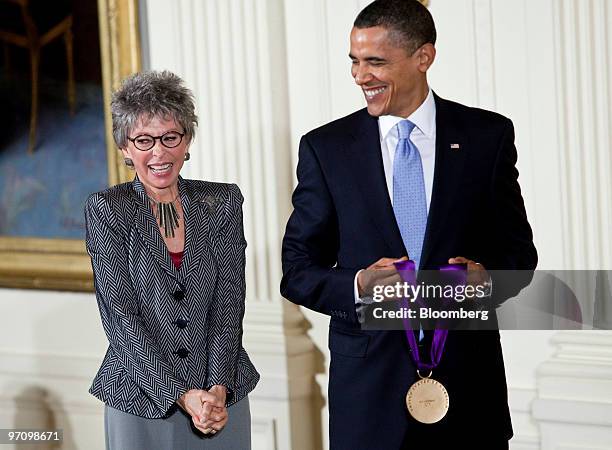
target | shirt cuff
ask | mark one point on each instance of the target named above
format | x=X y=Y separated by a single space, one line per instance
x=365 y=300
x=360 y=302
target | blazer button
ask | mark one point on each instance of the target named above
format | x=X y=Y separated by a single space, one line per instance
x=178 y=295
x=181 y=323
x=182 y=352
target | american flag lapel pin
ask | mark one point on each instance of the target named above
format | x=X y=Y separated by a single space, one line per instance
x=454 y=146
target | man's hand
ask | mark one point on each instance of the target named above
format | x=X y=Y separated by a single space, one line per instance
x=201 y=405
x=380 y=273
x=477 y=274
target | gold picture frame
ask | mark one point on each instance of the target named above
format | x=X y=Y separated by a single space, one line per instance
x=63 y=264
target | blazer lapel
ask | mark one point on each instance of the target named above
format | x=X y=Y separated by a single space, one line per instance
x=451 y=148
x=369 y=172
x=197 y=226
x=146 y=224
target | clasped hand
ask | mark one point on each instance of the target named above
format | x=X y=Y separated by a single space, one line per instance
x=206 y=408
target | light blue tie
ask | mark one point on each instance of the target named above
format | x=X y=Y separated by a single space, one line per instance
x=409 y=201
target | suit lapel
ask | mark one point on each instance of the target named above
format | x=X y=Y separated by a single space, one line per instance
x=147 y=226
x=369 y=173
x=448 y=172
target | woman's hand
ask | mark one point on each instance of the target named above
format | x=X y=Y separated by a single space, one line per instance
x=202 y=405
x=217 y=418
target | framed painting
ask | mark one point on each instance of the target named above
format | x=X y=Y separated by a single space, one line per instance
x=56 y=146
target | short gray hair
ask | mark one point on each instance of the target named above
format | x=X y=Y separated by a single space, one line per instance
x=150 y=94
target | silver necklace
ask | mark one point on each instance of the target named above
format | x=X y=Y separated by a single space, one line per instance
x=167 y=215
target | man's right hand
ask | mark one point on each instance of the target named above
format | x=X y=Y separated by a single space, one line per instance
x=380 y=273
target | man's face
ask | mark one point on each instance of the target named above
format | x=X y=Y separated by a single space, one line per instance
x=393 y=82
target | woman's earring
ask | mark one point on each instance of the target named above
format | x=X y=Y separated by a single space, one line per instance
x=128 y=162
x=187 y=156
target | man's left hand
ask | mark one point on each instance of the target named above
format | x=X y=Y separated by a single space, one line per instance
x=477 y=274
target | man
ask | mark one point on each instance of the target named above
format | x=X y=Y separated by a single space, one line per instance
x=364 y=200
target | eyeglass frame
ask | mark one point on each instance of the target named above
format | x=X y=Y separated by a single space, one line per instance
x=155 y=138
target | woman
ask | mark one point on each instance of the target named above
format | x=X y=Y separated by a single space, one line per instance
x=168 y=261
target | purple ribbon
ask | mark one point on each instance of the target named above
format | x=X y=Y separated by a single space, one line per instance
x=457 y=274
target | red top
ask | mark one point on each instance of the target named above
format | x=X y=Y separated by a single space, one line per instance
x=176 y=258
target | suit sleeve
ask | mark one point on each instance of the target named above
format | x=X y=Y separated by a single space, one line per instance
x=515 y=255
x=311 y=277
x=136 y=349
x=227 y=308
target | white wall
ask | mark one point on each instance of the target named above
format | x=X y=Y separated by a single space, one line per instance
x=51 y=344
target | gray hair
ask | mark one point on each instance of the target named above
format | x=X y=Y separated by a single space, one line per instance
x=146 y=95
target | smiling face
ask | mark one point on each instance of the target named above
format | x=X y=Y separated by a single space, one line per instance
x=393 y=82
x=158 y=169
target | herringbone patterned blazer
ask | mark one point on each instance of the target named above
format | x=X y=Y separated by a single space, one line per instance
x=169 y=330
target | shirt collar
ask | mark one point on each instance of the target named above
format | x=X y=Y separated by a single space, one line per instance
x=424 y=118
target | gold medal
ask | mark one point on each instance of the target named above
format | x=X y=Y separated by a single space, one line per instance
x=427 y=400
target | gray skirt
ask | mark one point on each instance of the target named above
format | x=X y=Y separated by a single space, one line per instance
x=125 y=431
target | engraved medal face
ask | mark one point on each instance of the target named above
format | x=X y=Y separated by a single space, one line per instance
x=427 y=401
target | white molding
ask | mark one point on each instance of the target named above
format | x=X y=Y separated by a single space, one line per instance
x=574 y=412
x=263 y=430
x=520 y=399
x=18 y=364
x=580 y=447
x=313 y=77
x=59 y=381
x=579 y=374
x=484 y=54
x=584 y=116
x=526 y=433
x=574 y=401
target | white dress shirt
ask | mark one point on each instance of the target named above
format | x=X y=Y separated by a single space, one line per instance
x=423 y=137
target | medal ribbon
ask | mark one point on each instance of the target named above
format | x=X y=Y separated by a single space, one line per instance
x=407 y=271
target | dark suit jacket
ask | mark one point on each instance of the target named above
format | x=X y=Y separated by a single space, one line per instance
x=152 y=357
x=343 y=221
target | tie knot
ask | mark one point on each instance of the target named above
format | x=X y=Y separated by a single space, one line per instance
x=405 y=127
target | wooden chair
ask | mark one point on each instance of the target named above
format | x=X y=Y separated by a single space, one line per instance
x=32 y=24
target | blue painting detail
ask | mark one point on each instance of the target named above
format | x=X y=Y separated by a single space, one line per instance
x=42 y=194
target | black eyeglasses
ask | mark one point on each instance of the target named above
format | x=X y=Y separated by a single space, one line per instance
x=146 y=142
